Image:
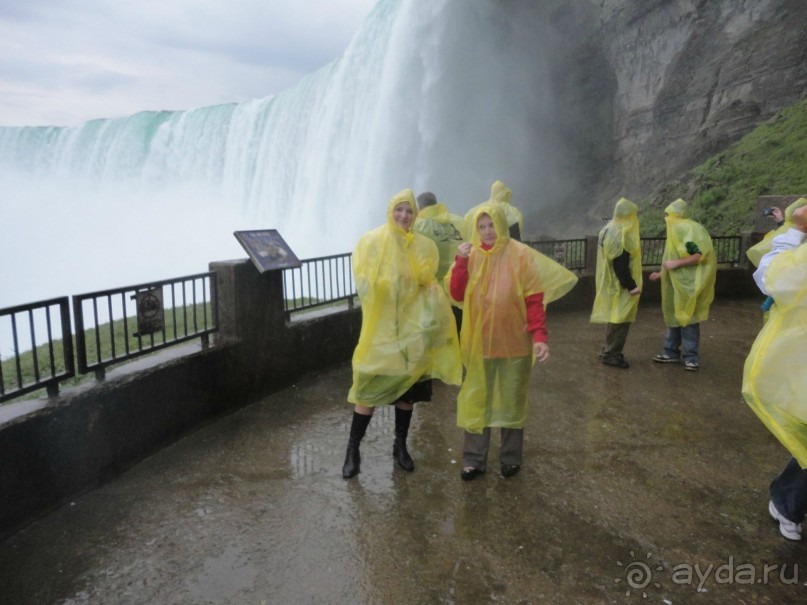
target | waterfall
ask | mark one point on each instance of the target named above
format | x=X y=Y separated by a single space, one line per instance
x=446 y=95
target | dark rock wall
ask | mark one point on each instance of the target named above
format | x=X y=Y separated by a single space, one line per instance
x=650 y=89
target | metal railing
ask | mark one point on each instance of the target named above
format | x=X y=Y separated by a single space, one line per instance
x=110 y=330
x=728 y=249
x=319 y=281
x=43 y=328
x=571 y=253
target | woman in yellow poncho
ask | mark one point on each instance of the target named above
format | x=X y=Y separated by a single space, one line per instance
x=619 y=280
x=504 y=286
x=688 y=272
x=774 y=378
x=407 y=333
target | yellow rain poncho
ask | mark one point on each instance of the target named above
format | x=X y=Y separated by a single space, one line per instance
x=496 y=347
x=774 y=378
x=408 y=332
x=444 y=229
x=500 y=194
x=686 y=292
x=757 y=251
x=613 y=303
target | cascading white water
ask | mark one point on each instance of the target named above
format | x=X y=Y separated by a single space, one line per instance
x=446 y=95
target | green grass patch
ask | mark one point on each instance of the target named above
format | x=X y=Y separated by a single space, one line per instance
x=723 y=191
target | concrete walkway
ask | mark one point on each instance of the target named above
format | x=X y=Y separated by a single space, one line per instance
x=648 y=482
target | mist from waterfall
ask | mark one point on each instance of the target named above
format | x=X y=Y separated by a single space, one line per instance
x=446 y=95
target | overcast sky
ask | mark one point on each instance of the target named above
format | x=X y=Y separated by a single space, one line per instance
x=66 y=61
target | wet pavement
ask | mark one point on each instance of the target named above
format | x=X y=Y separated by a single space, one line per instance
x=641 y=485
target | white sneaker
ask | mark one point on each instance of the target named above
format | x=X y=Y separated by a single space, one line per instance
x=790 y=530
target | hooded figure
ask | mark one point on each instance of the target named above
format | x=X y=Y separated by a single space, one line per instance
x=504 y=287
x=499 y=194
x=407 y=333
x=774 y=380
x=688 y=291
x=757 y=251
x=619 y=280
x=689 y=269
x=444 y=229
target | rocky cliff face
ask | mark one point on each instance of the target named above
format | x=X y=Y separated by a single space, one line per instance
x=659 y=85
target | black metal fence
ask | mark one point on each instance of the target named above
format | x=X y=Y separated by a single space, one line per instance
x=123 y=323
x=571 y=253
x=319 y=281
x=728 y=249
x=43 y=329
x=109 y=330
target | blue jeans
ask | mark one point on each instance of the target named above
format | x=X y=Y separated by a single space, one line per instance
x=688 y=336
x=789 y=492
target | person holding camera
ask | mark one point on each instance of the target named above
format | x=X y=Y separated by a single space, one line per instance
x=774 y=380
x=783 y=223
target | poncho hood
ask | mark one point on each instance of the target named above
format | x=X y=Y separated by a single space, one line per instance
x=499 y=218
x=678 y=209
x=499 y=192
x=405 y=195
x=625 y=209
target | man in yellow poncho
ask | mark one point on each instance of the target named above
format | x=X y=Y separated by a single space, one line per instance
x=444 y=229
x=504 y=286
x=774 y=377
x=757 y=251
x=619 y=280
x=407 y=334
x=500 y=194
x=688 y=272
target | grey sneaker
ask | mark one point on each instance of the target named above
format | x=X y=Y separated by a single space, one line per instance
x=790 y=530
x=662 y=358
x=692 y=366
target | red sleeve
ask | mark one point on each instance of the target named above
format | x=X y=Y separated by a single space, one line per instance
x=459 y=278
x=536 y=317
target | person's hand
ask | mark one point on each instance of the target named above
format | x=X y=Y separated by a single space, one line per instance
x=636 y=291
x=777 y=214
x=541 y=351
x=464 y=249
x=670 y=265
x=799 y=218
x=654 y=276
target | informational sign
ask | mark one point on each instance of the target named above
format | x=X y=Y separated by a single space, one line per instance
x=150 y=312
x=267 y=249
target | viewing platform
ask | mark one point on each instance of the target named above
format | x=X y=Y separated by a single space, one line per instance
x=651 y=481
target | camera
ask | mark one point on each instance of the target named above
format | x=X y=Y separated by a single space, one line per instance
x=767 y=212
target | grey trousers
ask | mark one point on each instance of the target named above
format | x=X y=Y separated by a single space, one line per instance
x=615 y=337
x=475 y=448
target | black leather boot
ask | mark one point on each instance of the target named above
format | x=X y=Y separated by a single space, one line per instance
x=358 y=427
x=399 y=452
